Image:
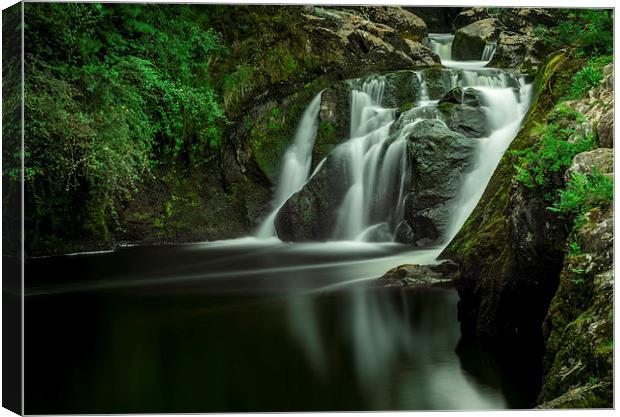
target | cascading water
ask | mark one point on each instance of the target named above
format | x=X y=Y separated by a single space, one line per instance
x=441 y=44
x=296 y=164
x=489 y=50
x=374 y=162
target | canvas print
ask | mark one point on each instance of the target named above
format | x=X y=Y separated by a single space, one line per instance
x=289 y=208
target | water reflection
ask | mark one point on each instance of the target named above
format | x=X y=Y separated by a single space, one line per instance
x=244 y=327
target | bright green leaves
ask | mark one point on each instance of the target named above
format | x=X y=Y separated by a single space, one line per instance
x=589 y=31
x=582 y=193
x=587 y=78
x=539 y=165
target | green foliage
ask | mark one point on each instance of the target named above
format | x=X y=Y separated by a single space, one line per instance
x=539 y=165
x=590 y=31
x=588 y=77
x=111 y=90
x=574 y=249
x=584 y=192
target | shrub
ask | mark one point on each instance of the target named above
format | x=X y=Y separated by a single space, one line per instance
x=582 y=193
x=552 y=155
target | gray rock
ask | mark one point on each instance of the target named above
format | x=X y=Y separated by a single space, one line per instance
x=310 y=214
x=439 y=157
x=601 y=159
x=463 y=113
x=400 y=19
x=578 y=329
x=469 y=16
x=469 y=41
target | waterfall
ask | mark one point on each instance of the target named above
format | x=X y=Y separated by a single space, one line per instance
x=372 y=168
x=374 y=163
x=295 y=165
x=441 y=44
x=489 y=50
x=505 y=112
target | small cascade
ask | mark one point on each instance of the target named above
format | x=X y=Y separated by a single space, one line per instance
x=296 y=164
x=489 y=50
x=441 y=44
x=373 y=163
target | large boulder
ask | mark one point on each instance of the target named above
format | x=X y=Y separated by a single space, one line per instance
x=400 y=19
x=310 y=214
x=462 y=111
x=515 y=49
x=438 y=158
x=469 y=16
x=470 y=41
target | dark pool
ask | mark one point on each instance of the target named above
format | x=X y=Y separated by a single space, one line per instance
x=250 y=325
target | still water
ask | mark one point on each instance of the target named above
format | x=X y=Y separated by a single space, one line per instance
x=251 y=325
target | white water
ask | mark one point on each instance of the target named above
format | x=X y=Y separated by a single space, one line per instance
x=296 y=164
x=441 y=44
x=374 y=159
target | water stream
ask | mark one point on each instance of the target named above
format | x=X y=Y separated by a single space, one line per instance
x=254 y=324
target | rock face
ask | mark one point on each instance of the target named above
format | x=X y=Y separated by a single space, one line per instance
x=355 y=45
x=493 y=278
x=463 y=113
x=437 y=19
x=469 y=41
x=578 y=362
x=514 y=271
x=438 y=158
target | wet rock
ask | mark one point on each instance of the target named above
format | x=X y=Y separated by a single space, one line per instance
x=463 y=113
x=400 y=87
x=416 y=277
x=469 y=41
x=513 y=50
x=601 y=160
x=594 y=395
x=309 y=215
x=439 y=157
x=533 y=229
